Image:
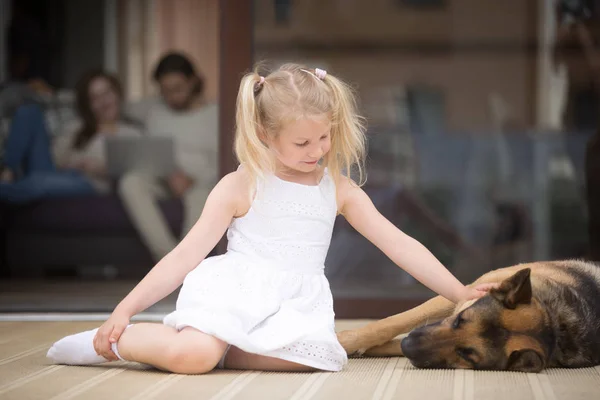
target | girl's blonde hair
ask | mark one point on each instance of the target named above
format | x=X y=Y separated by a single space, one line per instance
x=266 y=104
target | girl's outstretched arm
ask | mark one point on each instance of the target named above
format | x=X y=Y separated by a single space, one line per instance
x=227 y=200
x=406 y=252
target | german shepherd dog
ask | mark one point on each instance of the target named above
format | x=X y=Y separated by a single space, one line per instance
x=542 y=315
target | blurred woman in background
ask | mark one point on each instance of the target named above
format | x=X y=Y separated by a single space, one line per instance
x=37 y=167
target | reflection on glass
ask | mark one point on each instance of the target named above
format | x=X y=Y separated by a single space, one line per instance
x=479 y=114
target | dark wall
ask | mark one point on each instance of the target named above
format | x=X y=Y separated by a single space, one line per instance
x=56 y=40
x=84 y=38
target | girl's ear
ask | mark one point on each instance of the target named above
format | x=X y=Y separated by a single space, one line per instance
x=262 y=136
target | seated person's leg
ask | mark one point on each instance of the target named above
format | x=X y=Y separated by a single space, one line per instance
x=139 y=194
x=186 y=352
x=239 y=359
x=193 y=202
x=28 y=143
x=39 y=185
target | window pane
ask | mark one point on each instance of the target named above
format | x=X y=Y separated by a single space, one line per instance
x=479 y=114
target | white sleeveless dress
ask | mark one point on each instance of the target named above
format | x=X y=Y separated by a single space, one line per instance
x=268 y=293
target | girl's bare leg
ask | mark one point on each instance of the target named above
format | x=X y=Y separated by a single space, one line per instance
x=239 y=359
x=188 y=351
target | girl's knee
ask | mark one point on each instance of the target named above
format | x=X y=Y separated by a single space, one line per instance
x=183 y=358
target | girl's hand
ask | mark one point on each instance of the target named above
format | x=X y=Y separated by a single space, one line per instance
x=109 y=333
x=477 y=291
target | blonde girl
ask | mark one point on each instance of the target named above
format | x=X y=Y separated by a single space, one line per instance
x=265 y=304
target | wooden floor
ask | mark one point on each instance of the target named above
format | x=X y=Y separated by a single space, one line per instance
x=26 y=374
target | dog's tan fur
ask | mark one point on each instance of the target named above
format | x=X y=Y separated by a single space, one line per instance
x=570 y=281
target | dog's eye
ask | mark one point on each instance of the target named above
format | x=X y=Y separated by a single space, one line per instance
x=458 y=321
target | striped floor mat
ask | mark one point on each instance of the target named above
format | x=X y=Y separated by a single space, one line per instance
x=25 y=374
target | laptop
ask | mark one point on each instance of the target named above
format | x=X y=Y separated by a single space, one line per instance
x=154 y=156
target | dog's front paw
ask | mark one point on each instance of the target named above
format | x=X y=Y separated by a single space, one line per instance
x=358 y=353
x=349 y=341
x=393 y=348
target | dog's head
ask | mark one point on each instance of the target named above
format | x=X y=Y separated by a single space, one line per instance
x=505 y=330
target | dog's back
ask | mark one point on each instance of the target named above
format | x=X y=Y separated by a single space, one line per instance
x=570 y=291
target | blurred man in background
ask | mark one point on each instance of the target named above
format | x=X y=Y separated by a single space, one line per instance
x=185 y=116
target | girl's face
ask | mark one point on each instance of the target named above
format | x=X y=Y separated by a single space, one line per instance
x=301 y=144
x=104 y=100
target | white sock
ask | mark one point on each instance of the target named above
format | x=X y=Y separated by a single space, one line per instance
x=78 y=349
x=113 y=347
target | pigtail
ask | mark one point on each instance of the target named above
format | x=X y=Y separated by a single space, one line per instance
x=348 y=140
x=250 y=150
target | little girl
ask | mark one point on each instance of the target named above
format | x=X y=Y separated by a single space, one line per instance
x=265 y=304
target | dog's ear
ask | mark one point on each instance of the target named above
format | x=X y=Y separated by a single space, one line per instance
x=514 y=290
x=525 y=360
